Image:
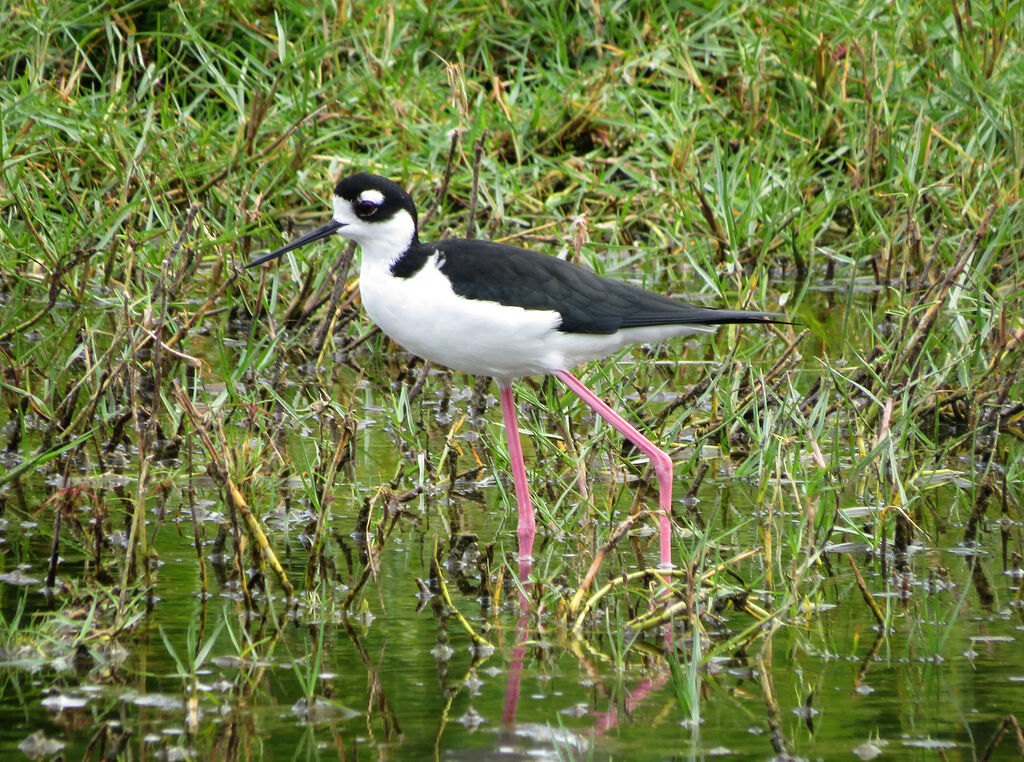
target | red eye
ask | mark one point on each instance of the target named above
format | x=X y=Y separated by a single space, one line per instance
x=366 y=208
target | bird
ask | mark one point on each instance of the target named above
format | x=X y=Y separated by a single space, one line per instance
x=493 y=309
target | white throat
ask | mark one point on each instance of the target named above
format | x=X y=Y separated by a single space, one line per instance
x=382 y=242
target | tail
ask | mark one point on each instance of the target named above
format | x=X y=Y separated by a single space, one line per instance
x=732 y=317
x=704 y=319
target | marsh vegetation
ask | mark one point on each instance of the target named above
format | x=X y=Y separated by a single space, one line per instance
x=237 y=522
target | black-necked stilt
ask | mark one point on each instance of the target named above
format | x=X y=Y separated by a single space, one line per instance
x=496 y=310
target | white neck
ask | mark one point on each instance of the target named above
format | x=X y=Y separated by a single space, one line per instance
x=382 y=242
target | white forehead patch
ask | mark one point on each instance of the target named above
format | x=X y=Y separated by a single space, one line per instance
x=373 y=196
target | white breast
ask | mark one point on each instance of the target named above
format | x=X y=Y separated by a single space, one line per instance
x=426 y=317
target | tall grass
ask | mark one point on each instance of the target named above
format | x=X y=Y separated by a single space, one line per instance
x=858 y=167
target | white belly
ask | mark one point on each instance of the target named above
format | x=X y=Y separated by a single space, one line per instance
x=427 y=318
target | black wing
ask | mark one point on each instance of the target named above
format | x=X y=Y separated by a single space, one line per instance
x=587 y=302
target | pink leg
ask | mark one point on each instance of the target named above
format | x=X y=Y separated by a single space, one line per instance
x=527 y=526
x=659 y=458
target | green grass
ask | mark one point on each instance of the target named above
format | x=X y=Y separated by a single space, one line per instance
x=856 y=166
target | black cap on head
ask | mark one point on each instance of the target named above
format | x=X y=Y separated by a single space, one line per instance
x=353 y=187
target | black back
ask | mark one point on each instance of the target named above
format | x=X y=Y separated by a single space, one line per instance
x=587 y=302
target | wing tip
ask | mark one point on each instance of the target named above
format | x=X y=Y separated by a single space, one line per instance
x=734 y=317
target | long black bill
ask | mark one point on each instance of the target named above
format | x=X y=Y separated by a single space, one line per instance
x=323 y=231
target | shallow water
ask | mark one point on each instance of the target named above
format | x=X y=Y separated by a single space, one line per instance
x=397 y=678
x=406 y=687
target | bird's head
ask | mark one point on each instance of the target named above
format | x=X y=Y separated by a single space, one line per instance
x=372 y=211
